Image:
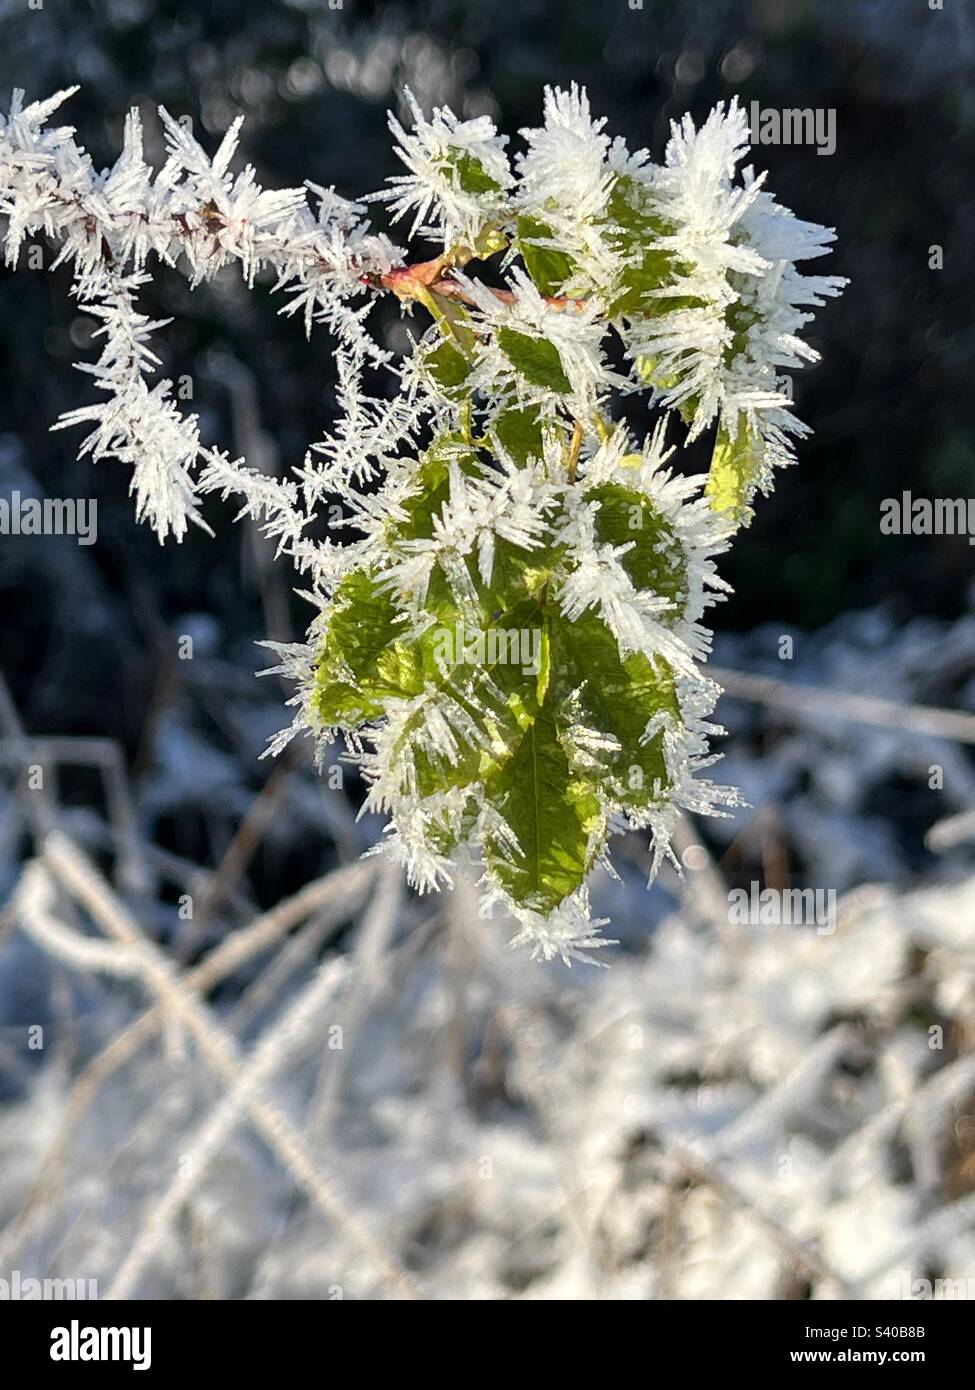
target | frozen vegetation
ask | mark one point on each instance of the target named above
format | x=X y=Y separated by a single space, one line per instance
x=726 y=1112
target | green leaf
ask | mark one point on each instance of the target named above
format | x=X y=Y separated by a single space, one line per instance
x=363 y=661
x=435 y=773
x=448 y=366
x=536 y=359
x=633 y=225
x=736 y=469
x=468 y=173
x=657 y=560
x=629 y=212
x=740 y=318
x=638 y=283
x=500 y=680
x=521 y=684
x=432 y=486
x=649 y=371
x=517 y=574
x=490 y=683
x=444 y=838
x=520 y=433
x=551 y=812
x=548 y=268
x=617 y=696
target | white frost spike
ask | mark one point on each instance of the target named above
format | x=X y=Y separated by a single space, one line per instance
x=576 y=333
x=463 y=490
x=434 y=189
x=736 y=249
x=138 y=424
x=193 y=213
x=570 y=932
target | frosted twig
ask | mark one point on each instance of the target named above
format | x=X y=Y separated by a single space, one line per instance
x=193 y=213
x=34 y=902
x=334 y=897
x=799 y=1252
x=220 y=1049
x=276 y=1049
x=105 y=755
x=516 y=386
x=833 y=704
x=950 y=832
x=296 y=953
x=375 y=935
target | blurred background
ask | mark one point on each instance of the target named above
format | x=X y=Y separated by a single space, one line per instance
x=504 y=1129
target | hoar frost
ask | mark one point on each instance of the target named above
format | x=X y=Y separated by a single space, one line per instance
x=510 y=500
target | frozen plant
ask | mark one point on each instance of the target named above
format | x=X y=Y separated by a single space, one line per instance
x=510 y=500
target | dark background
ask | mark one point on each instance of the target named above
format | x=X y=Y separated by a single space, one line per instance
x=85 y=632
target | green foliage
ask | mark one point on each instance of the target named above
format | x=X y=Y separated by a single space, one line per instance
x=519 y=731
x=535 y=758
x=520 y=433
x=432 y=486
x=448 y=366
x=656 y=560
x=548 y=267
x=467 y=173
x=633 y=229
x=501 y=642
x=433 y=772
x=364 y=660
x=735 y=472
x=517 y=574
x=536 y=359
x=619 y=696
x=552 y=812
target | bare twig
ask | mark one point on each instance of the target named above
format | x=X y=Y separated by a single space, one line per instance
x=90 y=891
x=804 y=1254
x=335 y=897
x=276 y=1049
x=375 y=935
x=846 y=706
x=238 y=855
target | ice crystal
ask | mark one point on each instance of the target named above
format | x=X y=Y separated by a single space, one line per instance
x=508 y=629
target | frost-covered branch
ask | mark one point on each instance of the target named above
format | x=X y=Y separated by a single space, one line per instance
x=509 y=601
x=195 y=214
x=81 y=880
